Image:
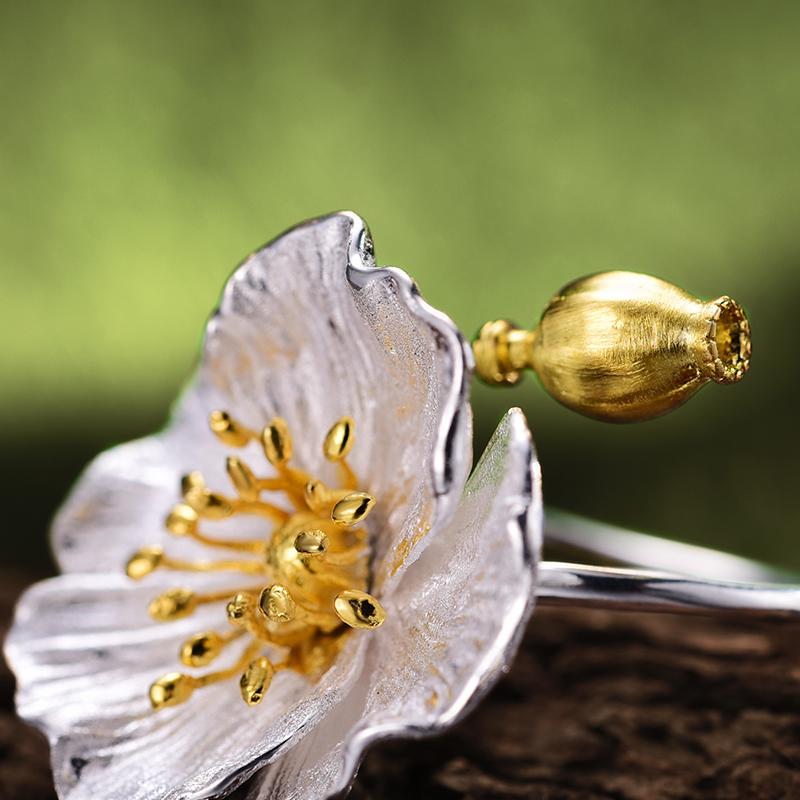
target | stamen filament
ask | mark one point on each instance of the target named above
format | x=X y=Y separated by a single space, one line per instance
x=250 y=652
x=242 y=545
x=250 y=567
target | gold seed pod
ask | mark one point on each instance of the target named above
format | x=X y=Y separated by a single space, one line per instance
x=173 y=604
x=182 y=520
x=621 y=347
x=339 y=441
x=171 y=690
x=256 y=680
x=239 y=608
x=143 y=562
x=352 y=508
x=228 y=430
x=277 y=604
x=359 y=609
x=201 y=649
x=277 y=442
x=311 y=543
x=242 y=478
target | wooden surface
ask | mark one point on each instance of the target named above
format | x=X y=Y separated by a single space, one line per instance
x=597 y=705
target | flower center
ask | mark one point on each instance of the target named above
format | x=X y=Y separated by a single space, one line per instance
x=313 y=566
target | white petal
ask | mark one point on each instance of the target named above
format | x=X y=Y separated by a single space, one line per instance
x=309 y=330
x=85 y=653
x=453 y=625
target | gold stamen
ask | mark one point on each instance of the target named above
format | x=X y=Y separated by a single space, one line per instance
x=165 y=562
x=172 y=689
x=202 y=648
x=182 y=520
x=311 y=543
x=256 y=680
x=352 y=509
x=228 y=430
x=173 y=604
x=326 y=567
x=277 y=604
x=277 y=442
x=144 y=561
x=339 y=440
x=359 y=609
x=242 y=478
x=240 y=607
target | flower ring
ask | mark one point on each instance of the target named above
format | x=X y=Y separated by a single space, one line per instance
x=351 y=582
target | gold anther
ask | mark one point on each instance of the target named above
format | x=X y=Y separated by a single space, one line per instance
x=201 y=649
x=311 y=543
x=172 y=689
x=359 y=609
x=277 y=604
x=228 y=430
x=143 y=562
x=242 y=478
x=173 y=604
x=182 y=520
x=240 y=608
x=256 y=680
x=352 y=509
x=277 y=442
x=621 y=347
x=339 y=440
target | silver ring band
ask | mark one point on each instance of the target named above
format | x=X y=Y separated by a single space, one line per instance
x=689 y=579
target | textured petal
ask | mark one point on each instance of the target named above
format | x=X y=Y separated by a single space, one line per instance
x=85 y=654
x=454 y=624
x=309 y=330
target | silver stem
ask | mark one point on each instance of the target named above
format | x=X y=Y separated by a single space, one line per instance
x=639 y=590
x=652 y=552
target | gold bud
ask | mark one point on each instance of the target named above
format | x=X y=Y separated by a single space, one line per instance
x=182 y=520
x=143 y=562
x=277 y=604
x=256 y=680
x=242 y=478
x=173 y=604
x=201 y=649
x=171 y=690
x=277 y=442
x=352 y=508
x=311 y=543
x=359 y=609
x=227 y=429
x=339 y=441
x=621 y=347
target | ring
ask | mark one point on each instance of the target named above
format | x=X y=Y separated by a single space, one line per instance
x=357 y=579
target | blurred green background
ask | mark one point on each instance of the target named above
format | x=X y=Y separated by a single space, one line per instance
x=497 y=150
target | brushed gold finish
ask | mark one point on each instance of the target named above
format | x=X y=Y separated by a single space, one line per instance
x=621 y=346
x=312 y=566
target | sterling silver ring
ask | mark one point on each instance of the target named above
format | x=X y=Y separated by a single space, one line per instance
x=357 y=579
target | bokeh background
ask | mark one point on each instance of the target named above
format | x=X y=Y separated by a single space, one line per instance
x=497 y=150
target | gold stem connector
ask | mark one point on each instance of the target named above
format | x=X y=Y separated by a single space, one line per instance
x=621 y=346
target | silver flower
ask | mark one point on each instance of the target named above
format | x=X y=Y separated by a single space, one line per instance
x=308 y=332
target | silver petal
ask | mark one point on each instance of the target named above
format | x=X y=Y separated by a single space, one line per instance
x=454 y=625
x=106 y=742
x=307 y=329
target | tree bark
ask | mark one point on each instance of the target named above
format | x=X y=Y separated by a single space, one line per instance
x=596 y=705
